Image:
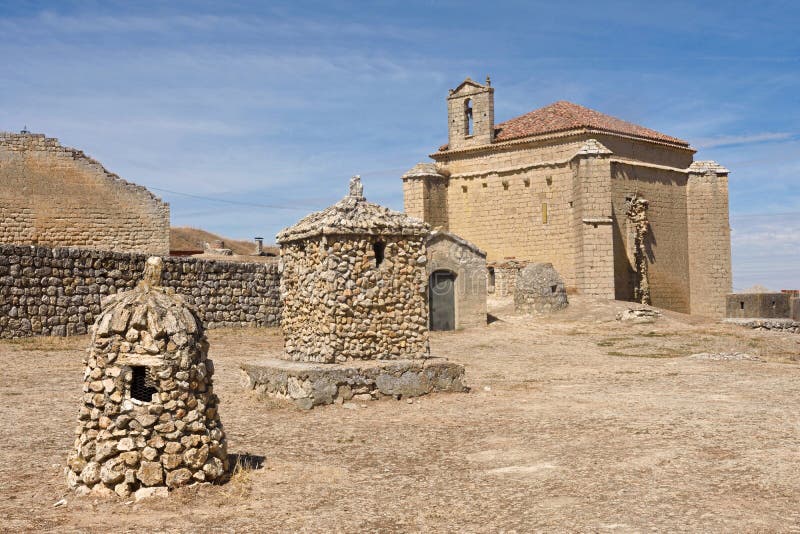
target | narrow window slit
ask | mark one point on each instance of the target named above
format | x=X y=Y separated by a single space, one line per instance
x=379 y=248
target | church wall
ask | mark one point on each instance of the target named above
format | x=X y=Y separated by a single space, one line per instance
x=503 y=211
x=652 y=153
x=667 y=242
x=57 y=196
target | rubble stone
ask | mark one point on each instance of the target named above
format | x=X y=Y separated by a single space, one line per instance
x=59 y=292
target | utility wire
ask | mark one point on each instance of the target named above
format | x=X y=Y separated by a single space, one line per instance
x=237 y=202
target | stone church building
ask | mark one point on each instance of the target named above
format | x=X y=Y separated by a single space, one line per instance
x=620 y=210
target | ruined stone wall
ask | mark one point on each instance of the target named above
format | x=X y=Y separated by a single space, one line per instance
x=505 y=277
x=666 y=245
x=46 y=291
x=52 y=195
x=339 y=306
x=516 y=203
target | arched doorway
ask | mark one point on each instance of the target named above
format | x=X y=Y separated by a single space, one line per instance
x=442 y=300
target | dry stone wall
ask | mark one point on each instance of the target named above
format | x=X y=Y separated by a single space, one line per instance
x=57 y=196
x=57 y=291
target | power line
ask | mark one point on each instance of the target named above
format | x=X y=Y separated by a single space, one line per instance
x=237 y=202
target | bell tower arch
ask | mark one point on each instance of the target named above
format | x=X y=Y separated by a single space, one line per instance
x=470 y=114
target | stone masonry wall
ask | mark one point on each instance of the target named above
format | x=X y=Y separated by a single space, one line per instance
x=528 y=214
x=709 y=239
x=46 y=291
x=340 y=306
x=447 y=252
x=666 y=246
x=53 y=195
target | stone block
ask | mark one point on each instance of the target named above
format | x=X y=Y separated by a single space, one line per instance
x=313 y=384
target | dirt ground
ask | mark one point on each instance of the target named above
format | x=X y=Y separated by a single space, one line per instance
x=575 y=422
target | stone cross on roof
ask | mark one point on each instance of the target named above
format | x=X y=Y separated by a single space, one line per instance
x=356 y=187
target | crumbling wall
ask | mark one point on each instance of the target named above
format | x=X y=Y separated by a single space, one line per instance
x=503 y=277
x=57 y=291
x=53 y=195
x=637 y=215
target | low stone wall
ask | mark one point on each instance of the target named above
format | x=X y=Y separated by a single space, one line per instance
x=57 y=291
x=786 y=325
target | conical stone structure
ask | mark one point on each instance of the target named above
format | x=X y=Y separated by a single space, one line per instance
x=148 y=417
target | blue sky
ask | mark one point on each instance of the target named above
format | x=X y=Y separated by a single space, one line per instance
x=265 y=104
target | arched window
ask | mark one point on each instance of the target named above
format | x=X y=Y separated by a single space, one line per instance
x=468 y=117
x=379 y=248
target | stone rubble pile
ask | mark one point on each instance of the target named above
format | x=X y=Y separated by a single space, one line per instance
x=148 y=417
x=725 y=356
x=639 y=315
x=783 y=325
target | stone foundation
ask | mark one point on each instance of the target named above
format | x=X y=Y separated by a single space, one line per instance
x=314 y=384
x=786 y=325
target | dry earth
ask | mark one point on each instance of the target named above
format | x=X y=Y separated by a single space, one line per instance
x=576 y=422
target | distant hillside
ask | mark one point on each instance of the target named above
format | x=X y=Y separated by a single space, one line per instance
x=185 y=238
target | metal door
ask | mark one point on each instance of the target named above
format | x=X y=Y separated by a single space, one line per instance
x=441 y=298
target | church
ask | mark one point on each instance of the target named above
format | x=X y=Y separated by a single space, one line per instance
x=621 y=211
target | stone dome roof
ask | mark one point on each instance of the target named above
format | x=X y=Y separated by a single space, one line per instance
x=147 y=308
x=353 y=215
x=421 y=170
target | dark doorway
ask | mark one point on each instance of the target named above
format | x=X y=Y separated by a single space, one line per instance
x=441 y=299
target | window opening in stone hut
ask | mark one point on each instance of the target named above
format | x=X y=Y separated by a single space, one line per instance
x=468 y=117
x=379 y=248
x=142 y=383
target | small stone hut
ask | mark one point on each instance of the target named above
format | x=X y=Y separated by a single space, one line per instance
x=355 y=310
x=456 y=282
x=148 y=418
x=539 y=288
x=354 y=284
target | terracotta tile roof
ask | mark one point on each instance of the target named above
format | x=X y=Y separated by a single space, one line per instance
x=563 y=116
